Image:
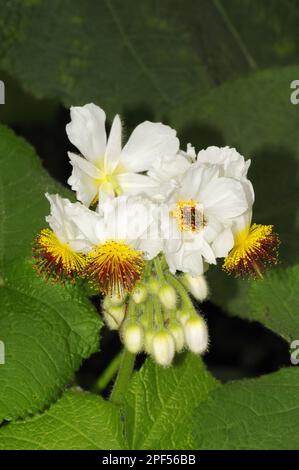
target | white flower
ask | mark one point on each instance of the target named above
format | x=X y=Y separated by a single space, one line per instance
x=104 y=164
x=62 y=220
x=196 y=221
x=231 y=164
x=123 y=233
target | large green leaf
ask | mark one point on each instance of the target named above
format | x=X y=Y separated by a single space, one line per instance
x=46 y=329
x=160 y=402
x=251 y=414
x=274 y=302
x=77 y=421
x=257 y=117
x=23 y=206
x=139 y=54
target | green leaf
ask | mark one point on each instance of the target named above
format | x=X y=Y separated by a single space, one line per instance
x=256 y=116
x=23 y=206
x=274 y=302
x=251 y=414
x=76 y=421
x=111 y=52
x=47 y=331
x=160 y=402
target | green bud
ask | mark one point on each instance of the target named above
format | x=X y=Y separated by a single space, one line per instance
x=114 y=316
x=168 y=296
x=139 y=294
x=163 y=347
x=153 y=285
x=197 y=286
x=133 y=336
x=196 y=334
x=183 y=316
x=176 y=329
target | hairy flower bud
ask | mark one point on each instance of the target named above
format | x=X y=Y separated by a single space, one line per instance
x=196 y=334
x=176 y=329
x=139 y=294
x=114 y=316
x=133 y=336
x=197 y=286
x=153 y=285
x=183 y=316
x=163 y=346
x=148 y=340
x=168 y=296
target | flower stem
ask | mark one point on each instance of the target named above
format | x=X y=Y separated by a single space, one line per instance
x=159 y=269
x=187 y=302
x=108 y=374
x=122 y=380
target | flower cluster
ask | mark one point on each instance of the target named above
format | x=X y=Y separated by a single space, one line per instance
x=148 y=221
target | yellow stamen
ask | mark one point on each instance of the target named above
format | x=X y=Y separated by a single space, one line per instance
x=255 y=248
x=55 y=258
x=190 y=218
x=115 y=266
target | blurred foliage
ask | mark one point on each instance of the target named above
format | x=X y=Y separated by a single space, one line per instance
x=149 y=53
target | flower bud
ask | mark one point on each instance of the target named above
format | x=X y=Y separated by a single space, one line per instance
x=163 y=347
x=168 y=296
x=196 y=334
x=139 y=294
x=114 y=316
x=116 y=299
x=197 y=286
x=113 y=301
x=183 y=316
x=176 y=329
x=153 y=285
x=133 y=336
x=148 y=340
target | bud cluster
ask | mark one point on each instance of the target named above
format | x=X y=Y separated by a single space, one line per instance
x=158 y=317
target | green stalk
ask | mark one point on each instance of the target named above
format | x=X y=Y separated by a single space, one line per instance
x=108 y=374
x=186 y=301
x=123 y=377
x=159 y=270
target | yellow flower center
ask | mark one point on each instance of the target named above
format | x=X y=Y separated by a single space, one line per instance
x=56 y=258
x=189 y=217
x=115 y=266
x=255 y=247
x=107 y=178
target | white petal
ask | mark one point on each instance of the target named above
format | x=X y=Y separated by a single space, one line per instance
x=224 y=198
x=134 y=183
x=169 y=166
x=223 y=243
x=87 y=131
x=186 y=261
x=196 y=178
x=113 y=148
x=63 y=221
x=150 y=140
x=150 y=248
x=84 y=179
